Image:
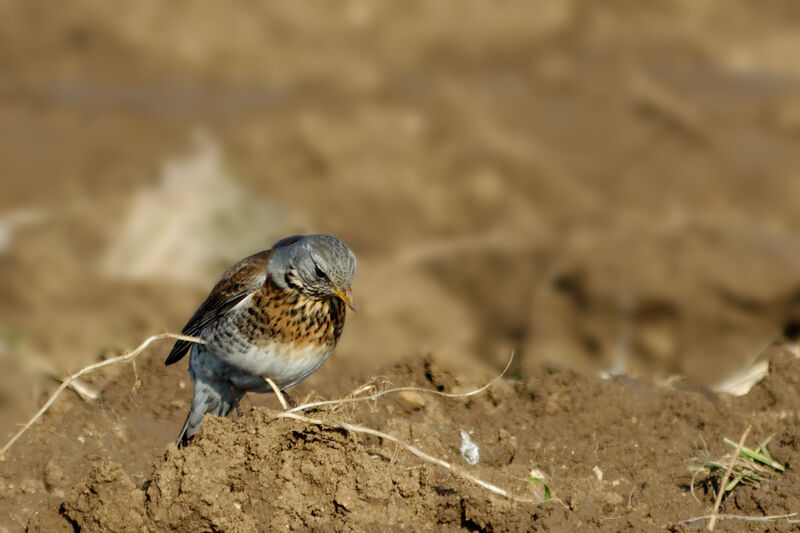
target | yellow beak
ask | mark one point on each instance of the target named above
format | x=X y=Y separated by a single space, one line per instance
x=346 y=297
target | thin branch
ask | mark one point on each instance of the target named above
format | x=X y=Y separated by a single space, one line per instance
x=724 y=480
x=688 y=521
x=91 y=368
x=377 y=395
x=292 y=413
x=278 y=393
x=413 y=449
x=38 y=363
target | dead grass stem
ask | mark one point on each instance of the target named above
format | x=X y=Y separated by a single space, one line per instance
x=713 y=521
x=293 y=413
x=68 y=381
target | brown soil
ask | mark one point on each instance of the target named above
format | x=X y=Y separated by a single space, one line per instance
x=259 y=473
x=598 y=186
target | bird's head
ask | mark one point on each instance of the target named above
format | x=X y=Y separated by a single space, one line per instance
x=319 y=266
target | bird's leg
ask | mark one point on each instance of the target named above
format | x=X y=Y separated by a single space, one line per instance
x=289 y=399
x=235 y=400
x=287 y=402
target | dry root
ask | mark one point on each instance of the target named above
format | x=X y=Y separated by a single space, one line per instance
x=355 y=396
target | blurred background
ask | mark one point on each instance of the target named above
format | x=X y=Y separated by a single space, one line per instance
x=611 y=186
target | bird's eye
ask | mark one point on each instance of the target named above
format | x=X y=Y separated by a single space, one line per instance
x=320 y=274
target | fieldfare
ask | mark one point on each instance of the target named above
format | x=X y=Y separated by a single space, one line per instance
x=277 y=314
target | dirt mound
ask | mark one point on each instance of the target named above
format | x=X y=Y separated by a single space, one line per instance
x=613 y=452
x=261 y=474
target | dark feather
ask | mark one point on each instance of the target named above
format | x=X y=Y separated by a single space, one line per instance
x=236 y=283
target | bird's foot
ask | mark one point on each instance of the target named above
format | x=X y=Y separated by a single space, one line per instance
x=289 y=400
x=236 y=400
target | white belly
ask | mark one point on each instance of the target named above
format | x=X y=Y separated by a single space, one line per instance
x=285 y=364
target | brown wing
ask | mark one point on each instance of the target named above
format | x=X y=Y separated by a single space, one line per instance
x=236 y=283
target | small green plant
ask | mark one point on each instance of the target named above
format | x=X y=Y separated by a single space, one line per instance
x=750 y=467
x=546 y=496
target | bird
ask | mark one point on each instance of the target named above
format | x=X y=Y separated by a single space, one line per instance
x=276 y=314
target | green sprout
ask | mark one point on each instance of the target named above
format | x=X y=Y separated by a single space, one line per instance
x=750 y=467
x=547 y=495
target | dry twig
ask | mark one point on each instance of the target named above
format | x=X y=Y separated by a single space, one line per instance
x=724 y=480
x=292 y=413
x=377 y=395
x=278 y=393
x=413 y=449
x=44 y=366
x=91 y=368
x=745 y=518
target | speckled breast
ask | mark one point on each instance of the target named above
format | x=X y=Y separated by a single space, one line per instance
x=278 y=333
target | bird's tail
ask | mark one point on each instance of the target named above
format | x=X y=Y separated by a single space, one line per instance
x=185 y=435
x=213 y=397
